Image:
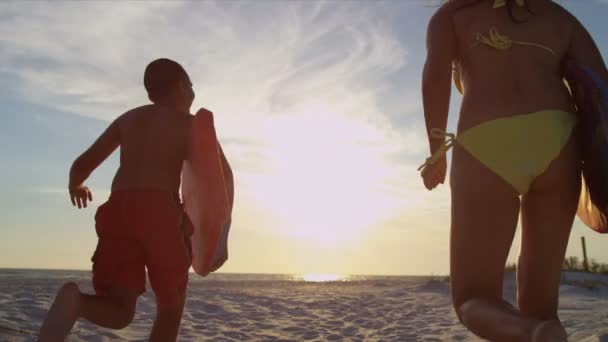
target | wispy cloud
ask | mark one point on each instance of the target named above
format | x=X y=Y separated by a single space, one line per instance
x=88 y=58
x=298 y=88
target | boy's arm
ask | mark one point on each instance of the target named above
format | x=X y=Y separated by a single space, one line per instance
x=227 y=175
x=82 y=167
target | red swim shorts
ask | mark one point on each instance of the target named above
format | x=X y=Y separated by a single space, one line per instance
x=141 y=229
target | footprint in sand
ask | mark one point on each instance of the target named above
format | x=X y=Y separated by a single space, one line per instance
x=334 y=337
x=311 y=335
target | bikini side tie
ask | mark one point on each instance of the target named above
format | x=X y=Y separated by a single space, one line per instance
x=449 y=138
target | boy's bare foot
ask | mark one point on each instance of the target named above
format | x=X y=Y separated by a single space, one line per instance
x=62 y=315
x=549 y=331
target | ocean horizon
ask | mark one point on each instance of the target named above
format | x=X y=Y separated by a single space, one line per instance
x=7 y=272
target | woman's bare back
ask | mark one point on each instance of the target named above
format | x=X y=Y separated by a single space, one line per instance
x=505 y=82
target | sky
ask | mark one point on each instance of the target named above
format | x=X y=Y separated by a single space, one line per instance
x=317 y=106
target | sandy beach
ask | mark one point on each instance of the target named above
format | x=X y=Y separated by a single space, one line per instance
x=234 y=307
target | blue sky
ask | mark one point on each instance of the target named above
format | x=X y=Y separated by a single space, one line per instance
x=317 y=106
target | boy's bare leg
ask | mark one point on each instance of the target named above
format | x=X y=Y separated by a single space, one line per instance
x=167 y=323
x=114 y=311
x=62 y=315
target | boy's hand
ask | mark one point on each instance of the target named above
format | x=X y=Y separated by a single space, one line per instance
x=434 y=174
x=79 y=196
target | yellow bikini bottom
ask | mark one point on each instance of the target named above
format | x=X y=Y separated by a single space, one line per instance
x=517 y=148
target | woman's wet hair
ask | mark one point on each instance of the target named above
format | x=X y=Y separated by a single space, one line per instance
x=161 y=76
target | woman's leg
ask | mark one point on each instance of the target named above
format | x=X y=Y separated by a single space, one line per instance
x=485 y=210
x=114 y=311
x=548 y=211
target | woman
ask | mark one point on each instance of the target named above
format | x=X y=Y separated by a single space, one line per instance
x=516 y=149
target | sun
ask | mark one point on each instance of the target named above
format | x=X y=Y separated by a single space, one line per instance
x=326 y=178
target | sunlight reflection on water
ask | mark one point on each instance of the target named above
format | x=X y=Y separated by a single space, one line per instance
x=320 y=277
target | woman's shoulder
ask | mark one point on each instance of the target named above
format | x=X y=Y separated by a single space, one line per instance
x=455 y=5
x=449 y=8
x=559 y=10
x=443 y=17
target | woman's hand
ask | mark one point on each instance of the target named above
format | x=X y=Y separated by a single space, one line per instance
x=434 y=174
x=79 y=196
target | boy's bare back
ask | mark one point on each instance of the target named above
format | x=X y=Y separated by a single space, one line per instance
x=153 y=146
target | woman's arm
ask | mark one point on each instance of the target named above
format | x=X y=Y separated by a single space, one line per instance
x=437 y=73
x=584 y=51
x=436 y=88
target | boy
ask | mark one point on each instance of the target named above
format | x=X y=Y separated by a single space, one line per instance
x=140 y=225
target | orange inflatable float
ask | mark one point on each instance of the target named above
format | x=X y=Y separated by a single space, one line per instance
x=205 y=196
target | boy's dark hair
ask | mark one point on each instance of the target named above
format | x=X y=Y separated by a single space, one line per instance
x=160 y=76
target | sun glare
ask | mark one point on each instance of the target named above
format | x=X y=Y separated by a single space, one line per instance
x=326 y=178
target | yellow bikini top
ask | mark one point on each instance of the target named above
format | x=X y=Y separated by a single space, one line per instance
x=500 y=42
x=497 y=41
